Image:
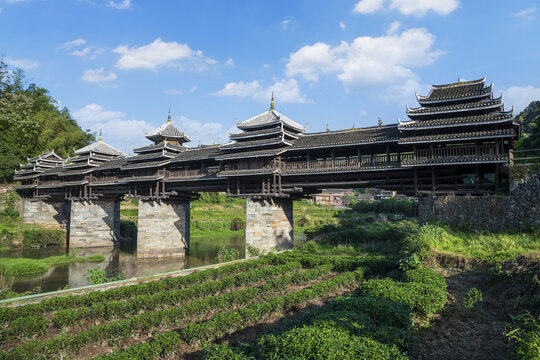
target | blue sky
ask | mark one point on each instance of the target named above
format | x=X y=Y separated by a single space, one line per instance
x=119 y=65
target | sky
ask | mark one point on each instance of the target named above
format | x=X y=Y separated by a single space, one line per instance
x=118 y=65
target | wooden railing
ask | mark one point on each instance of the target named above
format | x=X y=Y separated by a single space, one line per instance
x=104 y=179
x=524 y=157
x=456 y=151
x=352 y=162
x=185 y=172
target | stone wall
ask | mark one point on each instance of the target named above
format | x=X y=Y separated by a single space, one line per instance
x=269 y=224
x=163 y=228
x=516 y=211
x=45 y=213
x=94 y=223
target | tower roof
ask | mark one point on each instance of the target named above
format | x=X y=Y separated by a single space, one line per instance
x=271 y=117
x=167 y=131
x=99 y=147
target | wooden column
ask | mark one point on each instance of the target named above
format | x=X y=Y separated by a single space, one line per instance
x=333 y=158
x=387 y=154
x=359 y=157
x=433 y=181
x=415 y=180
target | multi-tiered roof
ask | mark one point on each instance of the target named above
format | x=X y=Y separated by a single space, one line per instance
x=38 y=165
x=265 y=135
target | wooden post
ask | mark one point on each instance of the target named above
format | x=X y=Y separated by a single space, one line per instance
x=359 y=157
x=415 y=180
x=511 y=156
x=433 y=178
x=333 y=158
x=308 y=158
x=387 y=154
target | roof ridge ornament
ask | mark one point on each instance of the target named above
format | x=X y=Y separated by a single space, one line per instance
x=272 y=103
x=100 y=137
x=169 y=117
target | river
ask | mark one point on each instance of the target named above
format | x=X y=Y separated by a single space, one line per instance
x=204 y=250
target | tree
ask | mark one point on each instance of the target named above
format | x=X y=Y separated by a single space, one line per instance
x=530 y=127
x=31 y=123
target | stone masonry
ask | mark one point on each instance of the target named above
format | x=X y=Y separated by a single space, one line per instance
x=94 y=223
x=269 y=224
x=44 y=213
x=163 y=228
x=516 y=211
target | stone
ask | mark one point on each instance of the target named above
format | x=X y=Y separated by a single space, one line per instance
x=94 y=223
x=45 y=213
x=163 y=228
x=269 y=224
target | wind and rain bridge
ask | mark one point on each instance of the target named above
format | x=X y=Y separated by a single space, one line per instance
x=457 y=141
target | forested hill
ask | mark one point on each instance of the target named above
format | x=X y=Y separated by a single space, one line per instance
x=530 y=122
x=31 y=123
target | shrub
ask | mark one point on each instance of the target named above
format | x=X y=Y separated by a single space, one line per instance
x=236 y=224
x=229 y=254
x=525 y=331
x=323 y=343
x=253 y=251
x=419 y=241
x=425 y=276
x=29 y=325
x=97 y=276
x=472 y=297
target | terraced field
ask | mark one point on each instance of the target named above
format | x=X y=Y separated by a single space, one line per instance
x=334 y=306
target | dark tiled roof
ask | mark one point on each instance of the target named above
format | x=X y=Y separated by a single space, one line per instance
x=141 y=165
x=99 y=147
x=268 y=118
x=33 y=176
x=199 y=153
x=347 y=137
x=458 y=136
x=498 y=117
x=253 y=143
x=460 y=90
x=140 y=178
x=250 y=154
x=256 y=133
x=167 y=130
x=153 y=155
x=477 y=105
x=63 y=184
x=25 y=187
x=161 y=145
x=68 y=172
x=113 y=164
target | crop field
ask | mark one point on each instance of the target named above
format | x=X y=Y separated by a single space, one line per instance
x=335 y=306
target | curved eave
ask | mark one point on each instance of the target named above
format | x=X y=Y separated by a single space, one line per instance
x=411 y=112
x=158 y=137
x=471 y=123
x=25 y=187
x=234 y=156
x=424 y=100
x=419 y=141
x=237 y=146
x=461 y=83
x=371 y=142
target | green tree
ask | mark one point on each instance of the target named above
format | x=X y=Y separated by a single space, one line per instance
x=530 y=127
x=31 y=123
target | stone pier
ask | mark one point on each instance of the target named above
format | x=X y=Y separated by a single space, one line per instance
x=94 y=223
x=269 y=224
x=45 y=213
x=163 y=228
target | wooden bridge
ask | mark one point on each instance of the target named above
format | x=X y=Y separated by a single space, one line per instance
x=459 y=141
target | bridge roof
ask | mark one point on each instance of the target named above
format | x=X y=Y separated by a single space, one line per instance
x=496 y=133
x=271 y=117
x=488 y=104
x=457 y=91
x=482 y=119
x=375 y=134
x=99 y=147
x=167 y=131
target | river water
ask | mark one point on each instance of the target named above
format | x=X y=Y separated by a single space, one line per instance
x=204 y=250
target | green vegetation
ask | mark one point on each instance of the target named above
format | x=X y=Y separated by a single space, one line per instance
x=22 y=266
x=525 y=332
x=473 y=297
x=31 y=123
x=97 y=276
x=229 y=254
x=530 y=130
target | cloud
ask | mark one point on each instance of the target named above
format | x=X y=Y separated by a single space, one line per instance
x=520 y=96
x=416 y=8
x=82 y=52
x=286 y=91
x=180 y=92
x=161 y=53
x=394 y=27
x=120 y=5
x=72 y=44
x=526 y=13
x=25 y=64
x=119 y=132
x=368 y=6
x=367 y=61
x=229 y=62
x=342 y=25
x=98 y=76
x=205 y=133
x=287 y=23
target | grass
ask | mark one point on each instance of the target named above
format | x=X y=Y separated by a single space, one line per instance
x=22 y=266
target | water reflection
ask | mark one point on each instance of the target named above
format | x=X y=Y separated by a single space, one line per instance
x=204 y=251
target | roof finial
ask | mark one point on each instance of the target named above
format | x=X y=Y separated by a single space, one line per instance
x=100 y=135
x=169 y=117
x=272 y=102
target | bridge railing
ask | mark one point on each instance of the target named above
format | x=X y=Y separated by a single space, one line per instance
x=104 y=179
x=524 y=157
x=185 y=172
x=352 y=162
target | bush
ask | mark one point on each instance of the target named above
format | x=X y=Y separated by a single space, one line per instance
x=419 y=241
x=97 y=276
x=236 y=224
x=525 y=331
x=425 y=276
x=27 y=326
x=43 y=237
x=472 y=297
x=229 y=254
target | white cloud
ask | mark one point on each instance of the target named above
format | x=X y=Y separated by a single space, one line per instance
x=394 y=27
x=98 y=76
x=408 y=7
x=205 y=133
x=520 y=96
x=72 y=44
x=25 y=64
x=342 y=25
x=287 y=23
x=119 y=132
x=161 y=53
x=368 y=6
x=286 y=91
x=526 y=13
x=179 y=91
x=82 y=52
x=193 y=88
x=120 y=5
x=367 y=61
x=229 y=62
